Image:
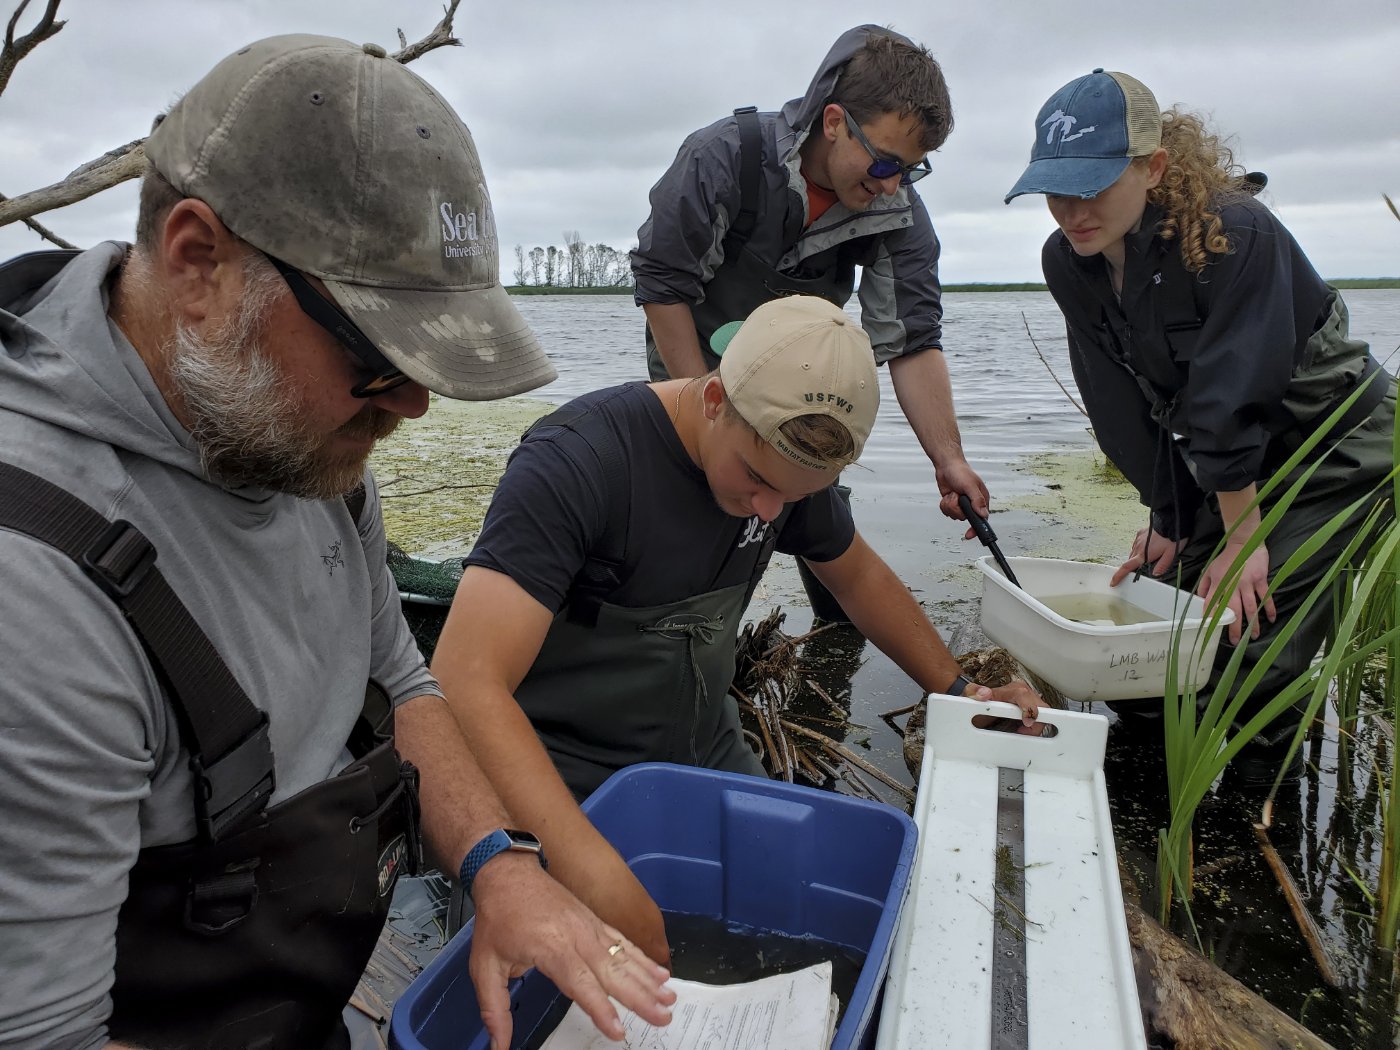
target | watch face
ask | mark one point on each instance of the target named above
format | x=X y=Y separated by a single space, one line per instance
x=522 y=839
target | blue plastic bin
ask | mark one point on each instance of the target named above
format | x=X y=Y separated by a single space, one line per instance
x=776 y=856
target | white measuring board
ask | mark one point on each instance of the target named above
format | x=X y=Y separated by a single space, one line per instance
x=1037 y=959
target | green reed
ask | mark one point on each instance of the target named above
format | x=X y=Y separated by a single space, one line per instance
x=1366 y=642
x=1381 y=616
x=1201 y=739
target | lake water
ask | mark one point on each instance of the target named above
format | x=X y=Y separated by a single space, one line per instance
x=1009 y=410
x=1008 y=403
x=1012 y=414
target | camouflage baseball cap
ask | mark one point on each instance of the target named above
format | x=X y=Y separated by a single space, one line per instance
x=340 y=162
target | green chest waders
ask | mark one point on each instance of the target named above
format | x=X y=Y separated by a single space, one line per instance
x=640 y=685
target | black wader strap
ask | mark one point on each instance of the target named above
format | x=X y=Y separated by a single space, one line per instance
x=765 y=555
x=1161 y=405
x=355 y=502
x=750 y=178
x=226 y=736
x=1182 y=320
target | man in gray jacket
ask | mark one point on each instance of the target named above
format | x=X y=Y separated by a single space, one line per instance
x=204 y=811
x=759 y=205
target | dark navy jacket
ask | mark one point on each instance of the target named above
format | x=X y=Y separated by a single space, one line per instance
x=1226 y=360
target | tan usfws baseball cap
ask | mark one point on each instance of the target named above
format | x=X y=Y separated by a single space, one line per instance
x=340 y=162
x=801 y=356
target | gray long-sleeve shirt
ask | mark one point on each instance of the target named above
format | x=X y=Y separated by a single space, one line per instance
x=297 y=601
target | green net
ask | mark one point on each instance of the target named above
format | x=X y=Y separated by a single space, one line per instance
x=426 y=588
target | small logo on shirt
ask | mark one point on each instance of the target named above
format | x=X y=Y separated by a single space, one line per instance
x=754 y=531
x=1064 y=123
x=332 y=559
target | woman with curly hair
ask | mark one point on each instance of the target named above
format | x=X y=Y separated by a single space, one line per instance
x=1206 y=348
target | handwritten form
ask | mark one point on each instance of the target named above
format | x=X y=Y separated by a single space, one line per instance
x=792 y=1011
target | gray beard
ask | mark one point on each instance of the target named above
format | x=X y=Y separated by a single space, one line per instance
x=244 y=414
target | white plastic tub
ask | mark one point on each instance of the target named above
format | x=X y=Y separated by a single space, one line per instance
x=1092 y=661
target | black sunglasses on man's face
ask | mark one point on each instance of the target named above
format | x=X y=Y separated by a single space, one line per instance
x=381 y=376
x=882 y=167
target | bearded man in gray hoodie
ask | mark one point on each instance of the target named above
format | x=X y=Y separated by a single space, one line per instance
x=207 y=675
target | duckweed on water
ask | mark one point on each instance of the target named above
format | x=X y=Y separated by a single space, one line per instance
x=1089 y=506
x=437 y=474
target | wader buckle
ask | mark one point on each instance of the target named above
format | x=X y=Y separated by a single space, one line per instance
x=408 y=773
x=234 y=786
x=217 y=903
x=119 y=560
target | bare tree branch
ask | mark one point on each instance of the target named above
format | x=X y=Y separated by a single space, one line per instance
x=129 y=161
x=441 y=36
x=107 y=171
x=42 y=230
x=14 y=50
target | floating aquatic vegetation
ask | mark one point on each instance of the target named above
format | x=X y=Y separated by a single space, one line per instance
x=437 y=474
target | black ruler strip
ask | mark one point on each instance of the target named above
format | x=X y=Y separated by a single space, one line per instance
x=1009 y=916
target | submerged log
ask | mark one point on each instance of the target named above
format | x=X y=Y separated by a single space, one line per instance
x=1197 y=1005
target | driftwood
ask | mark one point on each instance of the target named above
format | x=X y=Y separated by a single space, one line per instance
x=42 y=230
x=1306 y=924
x=846 y=754
x=441 y=36
x=768 y=677
x=128 y=162
x=1198 y=1005
x=1194 y=1003
x=110 y=169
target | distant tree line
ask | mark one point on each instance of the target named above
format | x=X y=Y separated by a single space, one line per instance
x=575 y=265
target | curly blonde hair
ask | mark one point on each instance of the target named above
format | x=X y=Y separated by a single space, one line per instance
x=1201 y=175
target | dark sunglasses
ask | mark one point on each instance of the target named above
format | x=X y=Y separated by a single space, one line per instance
x=882 y=167
x=380 y=375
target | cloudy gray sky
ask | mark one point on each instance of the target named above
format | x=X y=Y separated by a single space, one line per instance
x=578 y=105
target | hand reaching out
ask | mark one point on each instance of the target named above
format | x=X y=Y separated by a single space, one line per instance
x=1250 y=594
x=1013 y=692
x=1150 y=548
x=525 y=919
x=960 y=478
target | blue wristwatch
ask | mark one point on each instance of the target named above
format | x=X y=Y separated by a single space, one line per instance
x=499 y=841
x=959 y=685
